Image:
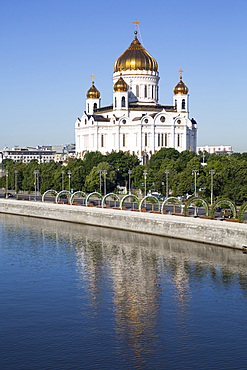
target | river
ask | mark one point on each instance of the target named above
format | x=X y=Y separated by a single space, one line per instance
x=83 y=297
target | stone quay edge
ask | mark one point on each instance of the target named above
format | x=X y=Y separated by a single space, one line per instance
x=221 y=233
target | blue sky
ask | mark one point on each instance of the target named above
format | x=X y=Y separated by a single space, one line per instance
x=50 y=48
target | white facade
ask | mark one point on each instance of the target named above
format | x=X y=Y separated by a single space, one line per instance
x=136 y=123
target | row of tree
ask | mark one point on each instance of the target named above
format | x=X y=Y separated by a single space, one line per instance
x=230 y=178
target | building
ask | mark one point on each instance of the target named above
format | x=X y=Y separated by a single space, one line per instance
x=26 y=154
x=217 y=149
x=43 y=154
x=136 y=122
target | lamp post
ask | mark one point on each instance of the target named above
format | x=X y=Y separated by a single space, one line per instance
x=196 y=173
x=167 y=173
x=145 y=172
x=16 y=181
x=38 y=182
x=62 y=179
x=7 y=175
x=35 y=183
x=212 y=172
x=104 y=173
x=129 y=172
x=100 y=179
x=69 y=173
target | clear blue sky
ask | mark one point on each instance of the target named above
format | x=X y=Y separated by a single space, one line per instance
x=50 y=48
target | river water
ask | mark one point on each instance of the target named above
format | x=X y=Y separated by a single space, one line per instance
x=80 y=297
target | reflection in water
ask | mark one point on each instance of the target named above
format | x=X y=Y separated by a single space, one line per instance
x=143 y=286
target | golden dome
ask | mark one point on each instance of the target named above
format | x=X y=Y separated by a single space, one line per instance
x=93 y=93
x=121 y=85
x=135 y=57
x=180 y=88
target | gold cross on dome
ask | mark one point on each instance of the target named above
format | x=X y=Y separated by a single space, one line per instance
x=181 y=71
x=136 y=23
x=92 y=78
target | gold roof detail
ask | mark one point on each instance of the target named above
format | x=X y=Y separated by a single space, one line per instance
x=135 y=57
x=121 y=85
x=180 y=88
x=93 y=93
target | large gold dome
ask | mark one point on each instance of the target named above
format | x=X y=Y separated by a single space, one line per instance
x=135 y=57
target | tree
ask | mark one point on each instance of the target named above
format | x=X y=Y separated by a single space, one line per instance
x=92 y=182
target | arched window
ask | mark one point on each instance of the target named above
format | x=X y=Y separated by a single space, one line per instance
x=176 y=103
x=165 y=139
x=145 y=91
x=102 y=141
x=115 y=102
x=123 y=139
x=123 y=101
x=87 y=107
x=179 y=140
x=152 y=91
x=183 y=104
x=137 y=91
x=95 y=106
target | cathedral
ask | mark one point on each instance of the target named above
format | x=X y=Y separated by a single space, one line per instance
x=136 y=122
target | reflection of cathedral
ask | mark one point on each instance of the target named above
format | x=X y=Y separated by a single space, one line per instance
x=136 y=122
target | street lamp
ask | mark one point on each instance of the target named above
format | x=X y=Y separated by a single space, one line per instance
x=167 y=173
x=16 y=181
x=211 y=172
x=7 y=174
x=100 y=179
x=62 y=179
x=69 y=173
x=104 y=173
x=129 y=172
x=195 y=173
x=145 y=172
x=35 y=183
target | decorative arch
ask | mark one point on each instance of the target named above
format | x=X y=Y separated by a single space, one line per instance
x=110 y=195
x=149 y=197
x=242 y=209
x=171 y=200
x=63 y=192
x=132 y=196
x=77 y=193
x=98 y=195
x=217 y=204
x=50 y=191
x=193 y=199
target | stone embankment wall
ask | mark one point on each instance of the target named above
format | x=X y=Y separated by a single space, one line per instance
x=220 y=233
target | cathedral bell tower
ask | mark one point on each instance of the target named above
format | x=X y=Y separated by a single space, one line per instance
x=120 y=95
x=181 y=97
x=93 y=98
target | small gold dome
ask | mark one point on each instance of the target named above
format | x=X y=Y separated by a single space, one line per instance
x=181 y=88
x=93 y=93
x=134 y=58
x=121 y=85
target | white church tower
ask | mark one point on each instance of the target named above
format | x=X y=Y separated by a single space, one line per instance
x=120 y=95
x=93 y=98
x=181 y=97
